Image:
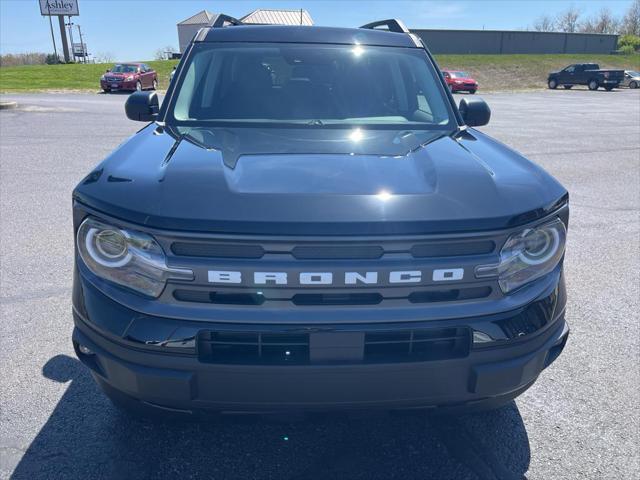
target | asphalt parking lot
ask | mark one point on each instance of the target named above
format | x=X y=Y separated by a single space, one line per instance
x=580 y=420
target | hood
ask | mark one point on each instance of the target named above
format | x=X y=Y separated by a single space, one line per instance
x=319 y=181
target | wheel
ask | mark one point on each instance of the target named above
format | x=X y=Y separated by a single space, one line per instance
x=567 y=87
x=138 y=86
x=553 y=84
x=106 y=90
x=451 y=88
x=154 y=85
x=633 y=85
x=472 y=92
x=593 y=85
x=608 y=88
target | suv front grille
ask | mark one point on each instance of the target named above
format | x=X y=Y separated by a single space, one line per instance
x=385 y=346
x=244 y=255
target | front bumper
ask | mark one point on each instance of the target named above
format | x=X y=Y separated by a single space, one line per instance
x=120 y=85
x=154 y=363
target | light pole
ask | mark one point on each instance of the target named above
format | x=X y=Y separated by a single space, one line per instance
x=84 y=53
x=70 y=25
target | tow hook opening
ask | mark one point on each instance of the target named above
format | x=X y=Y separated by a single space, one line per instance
x=555 y=351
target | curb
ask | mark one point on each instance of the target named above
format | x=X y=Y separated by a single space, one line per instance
x=8 y=105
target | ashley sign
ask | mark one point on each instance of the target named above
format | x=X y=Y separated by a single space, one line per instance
x=59 y=7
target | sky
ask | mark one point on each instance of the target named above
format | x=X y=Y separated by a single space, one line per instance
x=136 y=29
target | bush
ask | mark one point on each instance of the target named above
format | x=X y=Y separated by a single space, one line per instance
x=51 y=59
x=632 y=41
x=627 y=50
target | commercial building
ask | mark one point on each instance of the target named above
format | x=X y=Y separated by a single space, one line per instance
x=189 y=27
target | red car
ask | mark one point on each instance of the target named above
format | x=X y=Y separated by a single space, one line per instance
x=129 y=76
x=460 y=81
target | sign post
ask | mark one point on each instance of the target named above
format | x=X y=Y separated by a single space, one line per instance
x=60 y=8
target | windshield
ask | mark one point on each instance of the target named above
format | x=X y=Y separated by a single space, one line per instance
x=459 y=74
x=124 y=69
x=309 y=84
x=633 y=73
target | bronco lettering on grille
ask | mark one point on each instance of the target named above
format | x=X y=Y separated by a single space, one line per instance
x=329 y=278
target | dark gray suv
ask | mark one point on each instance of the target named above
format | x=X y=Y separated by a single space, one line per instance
x=309 y=222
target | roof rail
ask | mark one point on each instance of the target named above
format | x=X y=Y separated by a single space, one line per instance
x=220 y=20
x=392 y=24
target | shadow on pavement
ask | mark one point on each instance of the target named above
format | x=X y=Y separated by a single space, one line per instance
x=85 y=437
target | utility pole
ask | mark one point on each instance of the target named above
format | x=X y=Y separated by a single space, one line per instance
x=70 y=25
x=84 y=53
x=53 y=38
x=63 y=37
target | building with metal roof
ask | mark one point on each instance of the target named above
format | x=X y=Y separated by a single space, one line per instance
x=190 y=26
x=263 y=16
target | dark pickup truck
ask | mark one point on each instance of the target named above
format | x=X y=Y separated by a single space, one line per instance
x=588 y=74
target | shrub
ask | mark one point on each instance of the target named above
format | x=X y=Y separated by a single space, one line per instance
x=627 y=50
x=632 y=41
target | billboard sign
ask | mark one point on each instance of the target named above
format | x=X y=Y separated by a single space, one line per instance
x=59 y=7
x=79 y=49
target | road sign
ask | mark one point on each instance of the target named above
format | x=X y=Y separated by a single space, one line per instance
x=59 y=7
x=79 y=49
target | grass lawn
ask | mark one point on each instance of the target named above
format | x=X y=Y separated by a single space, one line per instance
x=493 y=72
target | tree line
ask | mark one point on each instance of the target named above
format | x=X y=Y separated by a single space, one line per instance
x=572 y=20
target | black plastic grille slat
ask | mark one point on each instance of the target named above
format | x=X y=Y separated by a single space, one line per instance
x=333 y=252
x=452 y=249
x=451 y=295
x=217 y=250
x=319 y=299
x=255 y=250
x=309 y=299
x=294 y=348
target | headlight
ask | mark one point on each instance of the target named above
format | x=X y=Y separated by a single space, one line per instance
x=126 y=257
x=527 y=255
x=129 y=78
x=102 y=78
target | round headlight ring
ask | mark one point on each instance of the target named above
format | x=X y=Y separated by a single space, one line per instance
x=550 y=244
x=100 y=245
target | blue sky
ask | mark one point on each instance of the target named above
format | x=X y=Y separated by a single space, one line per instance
x=135 y=29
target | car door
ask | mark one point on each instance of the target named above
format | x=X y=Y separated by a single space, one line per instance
x=567 y=75
x=151 y=75
x=144 y=77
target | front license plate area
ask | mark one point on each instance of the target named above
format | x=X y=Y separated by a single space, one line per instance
x=327 y=347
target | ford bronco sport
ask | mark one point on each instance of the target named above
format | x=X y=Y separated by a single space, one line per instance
x=309 y=222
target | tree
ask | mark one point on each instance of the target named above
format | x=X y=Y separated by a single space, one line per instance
x=544 y=23
x=567 y=21
x=630 y=24
x=602 y=22
x=104 y=57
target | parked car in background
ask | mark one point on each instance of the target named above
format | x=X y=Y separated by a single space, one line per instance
x=129 y=76
x=458 y=81
x=631 y=79
x=588 y=74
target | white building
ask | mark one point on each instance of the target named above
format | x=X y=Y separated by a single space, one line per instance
x=189 y=27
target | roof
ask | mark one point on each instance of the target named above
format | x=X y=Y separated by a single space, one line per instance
x=264 y=16
x=201 y=18
x=305 y=34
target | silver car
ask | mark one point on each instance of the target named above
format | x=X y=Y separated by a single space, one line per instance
x=631 y=79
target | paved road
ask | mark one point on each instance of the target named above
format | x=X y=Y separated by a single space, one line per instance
x=579 y=421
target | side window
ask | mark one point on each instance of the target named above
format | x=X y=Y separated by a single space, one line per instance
x=570 y=69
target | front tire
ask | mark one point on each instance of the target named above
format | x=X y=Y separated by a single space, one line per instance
x=608 y=88
x=553 y=84
x=154 y=85
x=567 y=87
x=106 y=90
x=633 y=85
x=138 y=86
x=593 y=85
x=472 y=92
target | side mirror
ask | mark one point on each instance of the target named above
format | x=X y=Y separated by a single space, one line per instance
x=107 y=70
x=142 y=106
x=475 y=111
